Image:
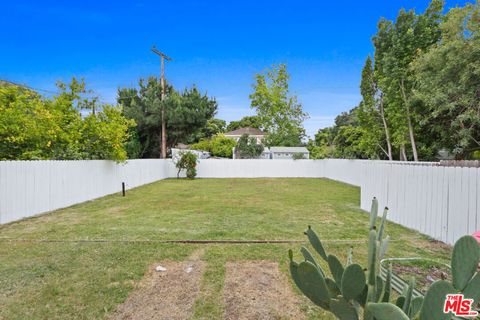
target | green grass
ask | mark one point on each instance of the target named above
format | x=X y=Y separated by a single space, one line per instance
x=86 y=280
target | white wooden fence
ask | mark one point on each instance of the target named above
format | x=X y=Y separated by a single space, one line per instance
x=28 y=188
x=442 y=202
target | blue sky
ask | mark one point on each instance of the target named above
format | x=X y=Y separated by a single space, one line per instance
x=216 y=45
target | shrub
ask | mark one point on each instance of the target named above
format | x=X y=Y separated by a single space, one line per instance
x=202 y=145
x=191 y=173
x=298 y=156
x=222 y=146
x=188 y=162
x=218 y=146
x=247 y=148
x=353 y=287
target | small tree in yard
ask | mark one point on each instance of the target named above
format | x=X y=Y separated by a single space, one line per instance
x=247 y=148
x=188 y=162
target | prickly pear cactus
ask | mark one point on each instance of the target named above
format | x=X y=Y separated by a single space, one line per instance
x=352 y=292
x=348 y=288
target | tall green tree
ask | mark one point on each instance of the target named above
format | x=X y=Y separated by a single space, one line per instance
x=448 y=83
x=248 y=121
x=371 y=116
x=396 y=46
x=213 y=127
x=280 y=113
x=247 y=148
x=62 y=128
x=186 y=113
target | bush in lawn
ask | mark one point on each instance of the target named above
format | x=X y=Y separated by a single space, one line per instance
x=247 y=148
x=353 y=288
x=298 y=156
x=188 y=162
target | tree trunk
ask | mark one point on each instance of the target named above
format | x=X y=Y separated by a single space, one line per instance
x=387 y=133
x=409 y=120
x=403 y=154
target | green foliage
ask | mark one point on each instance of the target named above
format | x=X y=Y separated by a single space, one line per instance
x=247 y=148
x=318 y=152
x=447 y=80
x=187 y=114
x=245 y=122
x=133 y=147
x=191 y=173
x=351 y=289
x=298 y=156
x=213 y=127
x=104 y=134
x=322 y=146
x=420 y=91
x=346 y=139
x=279 y=113
x=188 y=161
x=218 y=146
x=202 y=145
x=222 y=146
x=35 y=127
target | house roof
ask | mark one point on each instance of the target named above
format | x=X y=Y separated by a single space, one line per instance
x=289 y=149
x=248 y=130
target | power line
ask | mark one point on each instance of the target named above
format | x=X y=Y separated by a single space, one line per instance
x=28 y=87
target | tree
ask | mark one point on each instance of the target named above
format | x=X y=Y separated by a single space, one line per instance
x=188 y=161
x=396 y=46
x=248 y=121
x=186 y=113
x=280 y=114
x=448 y=84
x=189 y=113
x=322 y=145
x=319 y=151
x=247 y=148
x=104 y=134
x=36 y=127
x=28 y=125
x=348 y=143
x=213 y=127
x=371 y=116
x=324 y=136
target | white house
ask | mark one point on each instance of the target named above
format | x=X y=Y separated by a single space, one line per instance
x=288 y=152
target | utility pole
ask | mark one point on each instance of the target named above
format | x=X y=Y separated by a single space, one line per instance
x=163 y=57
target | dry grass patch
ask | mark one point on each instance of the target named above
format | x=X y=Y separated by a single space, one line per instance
x=166 y=294
x=258 y=290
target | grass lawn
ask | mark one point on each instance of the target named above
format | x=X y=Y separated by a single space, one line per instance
x=68 y=279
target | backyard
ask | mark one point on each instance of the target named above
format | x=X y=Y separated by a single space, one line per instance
x=83 y=262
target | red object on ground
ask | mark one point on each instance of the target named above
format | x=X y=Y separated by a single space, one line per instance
x=477 y=236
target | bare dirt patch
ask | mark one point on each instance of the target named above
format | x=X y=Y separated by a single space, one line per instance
x=165 y=295
x=258 y=290
x=424 y=273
